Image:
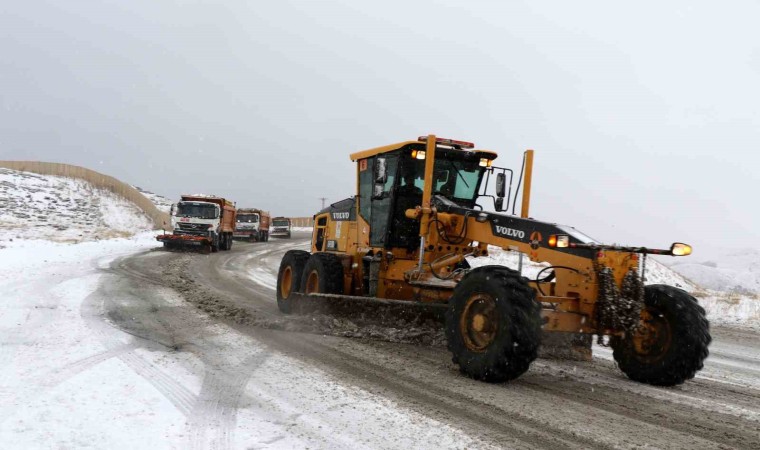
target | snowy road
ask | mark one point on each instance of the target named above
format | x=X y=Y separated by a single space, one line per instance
x=124 y=351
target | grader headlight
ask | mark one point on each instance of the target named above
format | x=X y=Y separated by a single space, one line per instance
x=418 y=154
x=680 y=249
x=485 y=162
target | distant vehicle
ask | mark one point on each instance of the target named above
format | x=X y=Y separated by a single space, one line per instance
x=252 y=224
x=280 y=227
x=205 y=221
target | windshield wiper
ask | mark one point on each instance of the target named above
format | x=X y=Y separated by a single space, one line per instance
x=451 y=163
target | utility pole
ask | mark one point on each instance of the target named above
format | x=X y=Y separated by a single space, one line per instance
x=323 y=201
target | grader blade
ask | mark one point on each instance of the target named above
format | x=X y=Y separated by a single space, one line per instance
x=370 y=309
x=393 y=313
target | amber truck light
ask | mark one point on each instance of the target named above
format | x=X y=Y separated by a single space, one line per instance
x=559 y=240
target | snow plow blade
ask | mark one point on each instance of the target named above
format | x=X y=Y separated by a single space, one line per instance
x=187 y=241
x=372 y=309
x=393 y=314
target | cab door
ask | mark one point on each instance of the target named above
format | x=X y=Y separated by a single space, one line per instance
x=375 y=207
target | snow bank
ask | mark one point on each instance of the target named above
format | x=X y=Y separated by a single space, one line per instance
x=737 y=271
x=736 y=310
x=63 y=209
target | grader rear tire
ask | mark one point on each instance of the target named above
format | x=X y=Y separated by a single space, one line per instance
x=322 y=274
x=670 y=345
x=493 y=324
x=289 y=278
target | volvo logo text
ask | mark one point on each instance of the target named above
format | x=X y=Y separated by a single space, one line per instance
x=340 y=215
x=510 y=232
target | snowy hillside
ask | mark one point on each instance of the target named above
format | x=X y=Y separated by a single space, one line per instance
x=734 y=271
x=162 y=203
x=63 y=209
x=656 y=273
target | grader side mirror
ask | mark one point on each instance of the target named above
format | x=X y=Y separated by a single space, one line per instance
x=498 y=203
x=501 y=182
x=380 y=178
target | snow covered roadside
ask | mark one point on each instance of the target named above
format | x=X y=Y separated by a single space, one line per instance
x=732 y=310
x=70 y=379
x=58 y=386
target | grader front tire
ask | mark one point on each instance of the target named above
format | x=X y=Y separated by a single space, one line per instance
x=670 y=345
x=493 y=325
x=289 y=278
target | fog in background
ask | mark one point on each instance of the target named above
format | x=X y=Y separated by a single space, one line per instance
x=644 y=117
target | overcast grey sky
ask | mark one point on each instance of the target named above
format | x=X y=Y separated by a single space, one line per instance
x=644 y=116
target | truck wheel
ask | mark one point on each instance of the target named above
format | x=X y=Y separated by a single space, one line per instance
x=229 y=241
x=215 y=244
x=493 y=324
x=252 y=238
x=289 y=278
x=670 y=345
x=323 y=274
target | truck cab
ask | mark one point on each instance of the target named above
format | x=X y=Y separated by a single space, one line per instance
x=195 y=218
x=252 y=224
x=281 y=227
x=201 y=220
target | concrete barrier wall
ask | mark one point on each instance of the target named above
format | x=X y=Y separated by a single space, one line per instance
x=98 y=180
x=302 y=221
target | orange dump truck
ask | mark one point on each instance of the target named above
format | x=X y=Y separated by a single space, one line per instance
x=252 y=224
x=205 y=221
x=281 y=227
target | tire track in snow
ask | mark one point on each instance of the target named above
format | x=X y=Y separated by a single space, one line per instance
x=595 y=376
x=93 y=312
x=212 y=413
x=36 y=386
x=220 y=396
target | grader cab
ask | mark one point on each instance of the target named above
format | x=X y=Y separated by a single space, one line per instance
x=418 y=215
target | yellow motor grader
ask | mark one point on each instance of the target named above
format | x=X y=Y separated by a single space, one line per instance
x=415 y=219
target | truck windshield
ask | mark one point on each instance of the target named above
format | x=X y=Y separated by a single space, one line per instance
x=247 y=218
x=280 y=223
x=197 y=210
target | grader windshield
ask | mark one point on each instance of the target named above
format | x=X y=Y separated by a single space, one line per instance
x=457 y=174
